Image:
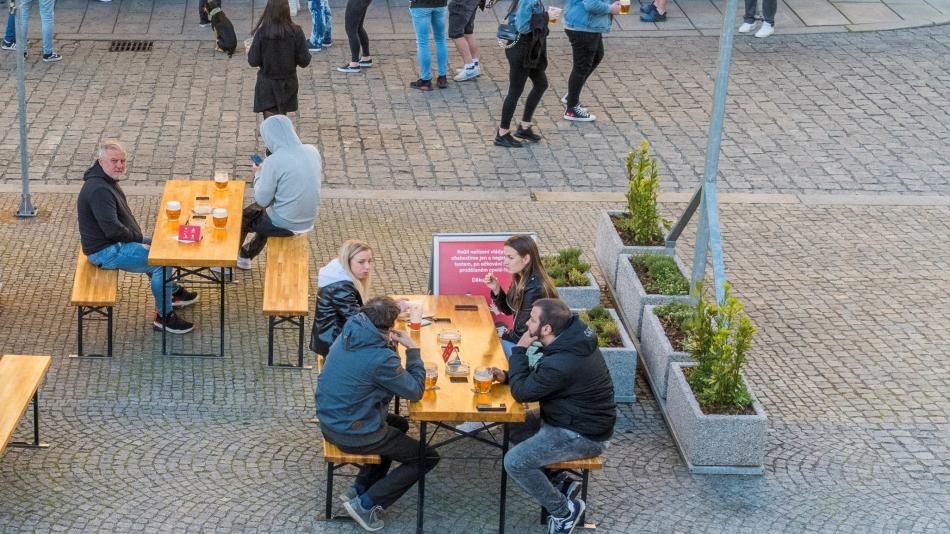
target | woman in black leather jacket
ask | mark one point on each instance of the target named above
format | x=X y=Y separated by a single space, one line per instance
x=529 y=283
x=342 y=284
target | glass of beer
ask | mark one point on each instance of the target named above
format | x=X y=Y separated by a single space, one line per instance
x=432 y=375
x=220 y=218
x=483 y=379
x=624 y=7
x=221 y=180
x=415 y=314
x=173 y=210
x=553 y=14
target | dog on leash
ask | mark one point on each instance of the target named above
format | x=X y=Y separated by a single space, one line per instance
x=223 y=29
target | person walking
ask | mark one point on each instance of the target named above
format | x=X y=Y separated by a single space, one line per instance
x=655 y=11
x=278 y=48
x=527 y=58
x=430 y=15
x=46 y=23
x=768 y=18
x=354 y=17
x=462 y=32
x=322 y=18
x=585 y=22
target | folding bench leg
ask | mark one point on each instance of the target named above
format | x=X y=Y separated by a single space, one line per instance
x=300 y=342
x=329 y=514
x=586 y=478
x=83 y=311
x=270 y=340
x=36 y=427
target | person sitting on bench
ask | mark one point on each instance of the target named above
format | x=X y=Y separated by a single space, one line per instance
x=112 y=239
x=557 y=363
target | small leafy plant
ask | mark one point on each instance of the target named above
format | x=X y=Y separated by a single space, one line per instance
x=642 y=223
x=659 y=274
x=674 y=317
x=600 y=320
x=719 y=338
x=567 y=269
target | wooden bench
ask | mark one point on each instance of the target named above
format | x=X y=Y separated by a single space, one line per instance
x=20 y=378
x=335 y=459
x=287 y=290
x=580 y=467
x=94 y=290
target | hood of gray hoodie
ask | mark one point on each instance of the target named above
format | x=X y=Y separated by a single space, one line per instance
x=288 y=184
x=278 y=133
x=332 y=273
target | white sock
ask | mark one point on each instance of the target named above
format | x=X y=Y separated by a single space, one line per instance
x=475 y=61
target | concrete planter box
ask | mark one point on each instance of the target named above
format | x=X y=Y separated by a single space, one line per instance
x=657 y=352
x=632 y=297
x=608 y=247
x=622 y=363
x=714 y=444
x=581 y=297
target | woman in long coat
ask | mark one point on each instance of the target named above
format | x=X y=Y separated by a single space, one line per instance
x=279 y=47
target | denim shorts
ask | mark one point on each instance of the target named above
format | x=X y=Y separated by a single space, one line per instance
x=462 y=17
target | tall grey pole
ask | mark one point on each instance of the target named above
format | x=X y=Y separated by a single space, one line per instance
x=26 y=206
x=709 y=207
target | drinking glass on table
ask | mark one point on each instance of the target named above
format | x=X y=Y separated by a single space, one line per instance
x=432 y=375
x=173 y=210
x=221 y=180
x=483 y=379
x=220 y=218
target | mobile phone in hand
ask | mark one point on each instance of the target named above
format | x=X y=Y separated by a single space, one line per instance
x=257 y=159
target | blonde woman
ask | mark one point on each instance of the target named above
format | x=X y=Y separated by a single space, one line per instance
x=343 y=285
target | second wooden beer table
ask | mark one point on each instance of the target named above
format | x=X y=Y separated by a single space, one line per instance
x=456 y=401
x=217 y=248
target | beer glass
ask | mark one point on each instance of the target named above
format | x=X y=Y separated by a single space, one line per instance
x=483 y=379
x=173 y=210
x=553 y=14
x=432 y=375
x=624 y=7
x=415 y=314
x=221 y=180
x=220 y=218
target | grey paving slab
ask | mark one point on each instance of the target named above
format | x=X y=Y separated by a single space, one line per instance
x=868 y=12
x=817 y=12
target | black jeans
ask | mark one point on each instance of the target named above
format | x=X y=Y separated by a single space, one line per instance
x=353 y=19
x=255 y=219
x=588 y=50
x=768 y=11
x=203 y=17
x=517 y=76
x=383 y=487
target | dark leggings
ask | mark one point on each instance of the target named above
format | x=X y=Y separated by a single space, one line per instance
x=588 y=51
x=355 y=33
x=517 y=76
x=768 y=11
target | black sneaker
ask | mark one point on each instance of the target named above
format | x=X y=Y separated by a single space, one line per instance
x=173 y=324
x=365 y=63
x=51 y=57
x=422 y=85
x=527 y=134
x=570 y=488
x=565 y=525
x=8 y=45
x=182 y=297
x=579 y=114
x=441 y=82
x=507 y=141
x=349 y=68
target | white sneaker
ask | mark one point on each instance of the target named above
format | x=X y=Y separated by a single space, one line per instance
x=747 y=27
x=466 y=74
x=765 y=30
x=244 y=263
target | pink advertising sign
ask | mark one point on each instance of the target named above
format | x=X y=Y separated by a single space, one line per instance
x=461 y=261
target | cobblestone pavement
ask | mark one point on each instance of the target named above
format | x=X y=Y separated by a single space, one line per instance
x=849 y=362
x=808 y=114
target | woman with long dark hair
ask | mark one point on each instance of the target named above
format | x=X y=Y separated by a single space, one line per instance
x=279 y=47
x=529 y=282
x=527 y=58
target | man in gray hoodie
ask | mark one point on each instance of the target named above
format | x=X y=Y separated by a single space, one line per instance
x=286 y=189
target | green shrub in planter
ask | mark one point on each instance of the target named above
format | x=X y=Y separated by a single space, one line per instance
x=567 y=269
x=675 y=318
x=642 y=222
x=659 y=274
x=600 y=320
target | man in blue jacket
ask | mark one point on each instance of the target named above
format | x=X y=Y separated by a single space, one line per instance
x=361 y=375
x=567 y=375
x=585 y=22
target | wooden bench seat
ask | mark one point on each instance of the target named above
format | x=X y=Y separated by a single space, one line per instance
x=94 y=290
x=287 y=289
x=20 y=378
x=335 y=459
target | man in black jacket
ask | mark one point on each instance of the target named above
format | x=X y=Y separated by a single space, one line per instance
x=567 y=374
x=112 y=239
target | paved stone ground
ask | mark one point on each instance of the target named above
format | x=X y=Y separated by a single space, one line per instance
x=810 y=113
x=850 y=363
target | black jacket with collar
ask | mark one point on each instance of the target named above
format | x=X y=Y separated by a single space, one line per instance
x=104 y=214
x=336 y=303
x=571 y=381
x=533 y=290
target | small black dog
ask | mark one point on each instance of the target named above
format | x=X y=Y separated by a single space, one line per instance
x=223 y=29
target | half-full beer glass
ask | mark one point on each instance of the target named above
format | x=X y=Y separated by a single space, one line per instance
x=483 y=379
x=221 y=180
x=432 y=375
x=220 y=218
x=173 y=210
x=624 y=7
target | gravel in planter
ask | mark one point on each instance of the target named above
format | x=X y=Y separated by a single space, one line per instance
x=608 y=247
x=657 y=352
x=632 y=297
x=581 y=297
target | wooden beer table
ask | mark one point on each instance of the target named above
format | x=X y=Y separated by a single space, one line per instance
x=456 y=401
x=217 y=248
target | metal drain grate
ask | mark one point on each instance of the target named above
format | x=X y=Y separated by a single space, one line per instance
x=131 y=46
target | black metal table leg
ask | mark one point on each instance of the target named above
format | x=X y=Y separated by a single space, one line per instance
x=36 y=427
x=221 y=323
x=160 y=304
x=422 y=479
x=504 y=480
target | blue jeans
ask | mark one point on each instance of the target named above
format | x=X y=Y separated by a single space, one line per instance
x=322 y=20
x=46 y=21
x=424 y=19
x=133 y=258
x=542 y=444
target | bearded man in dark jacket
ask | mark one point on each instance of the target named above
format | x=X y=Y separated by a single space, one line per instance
x=112 y=239
x=557 y=363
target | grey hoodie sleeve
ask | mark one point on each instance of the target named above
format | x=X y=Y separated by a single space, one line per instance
x=265 y=185
x=409 y=382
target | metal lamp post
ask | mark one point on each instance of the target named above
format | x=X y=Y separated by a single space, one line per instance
x=26 y=205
